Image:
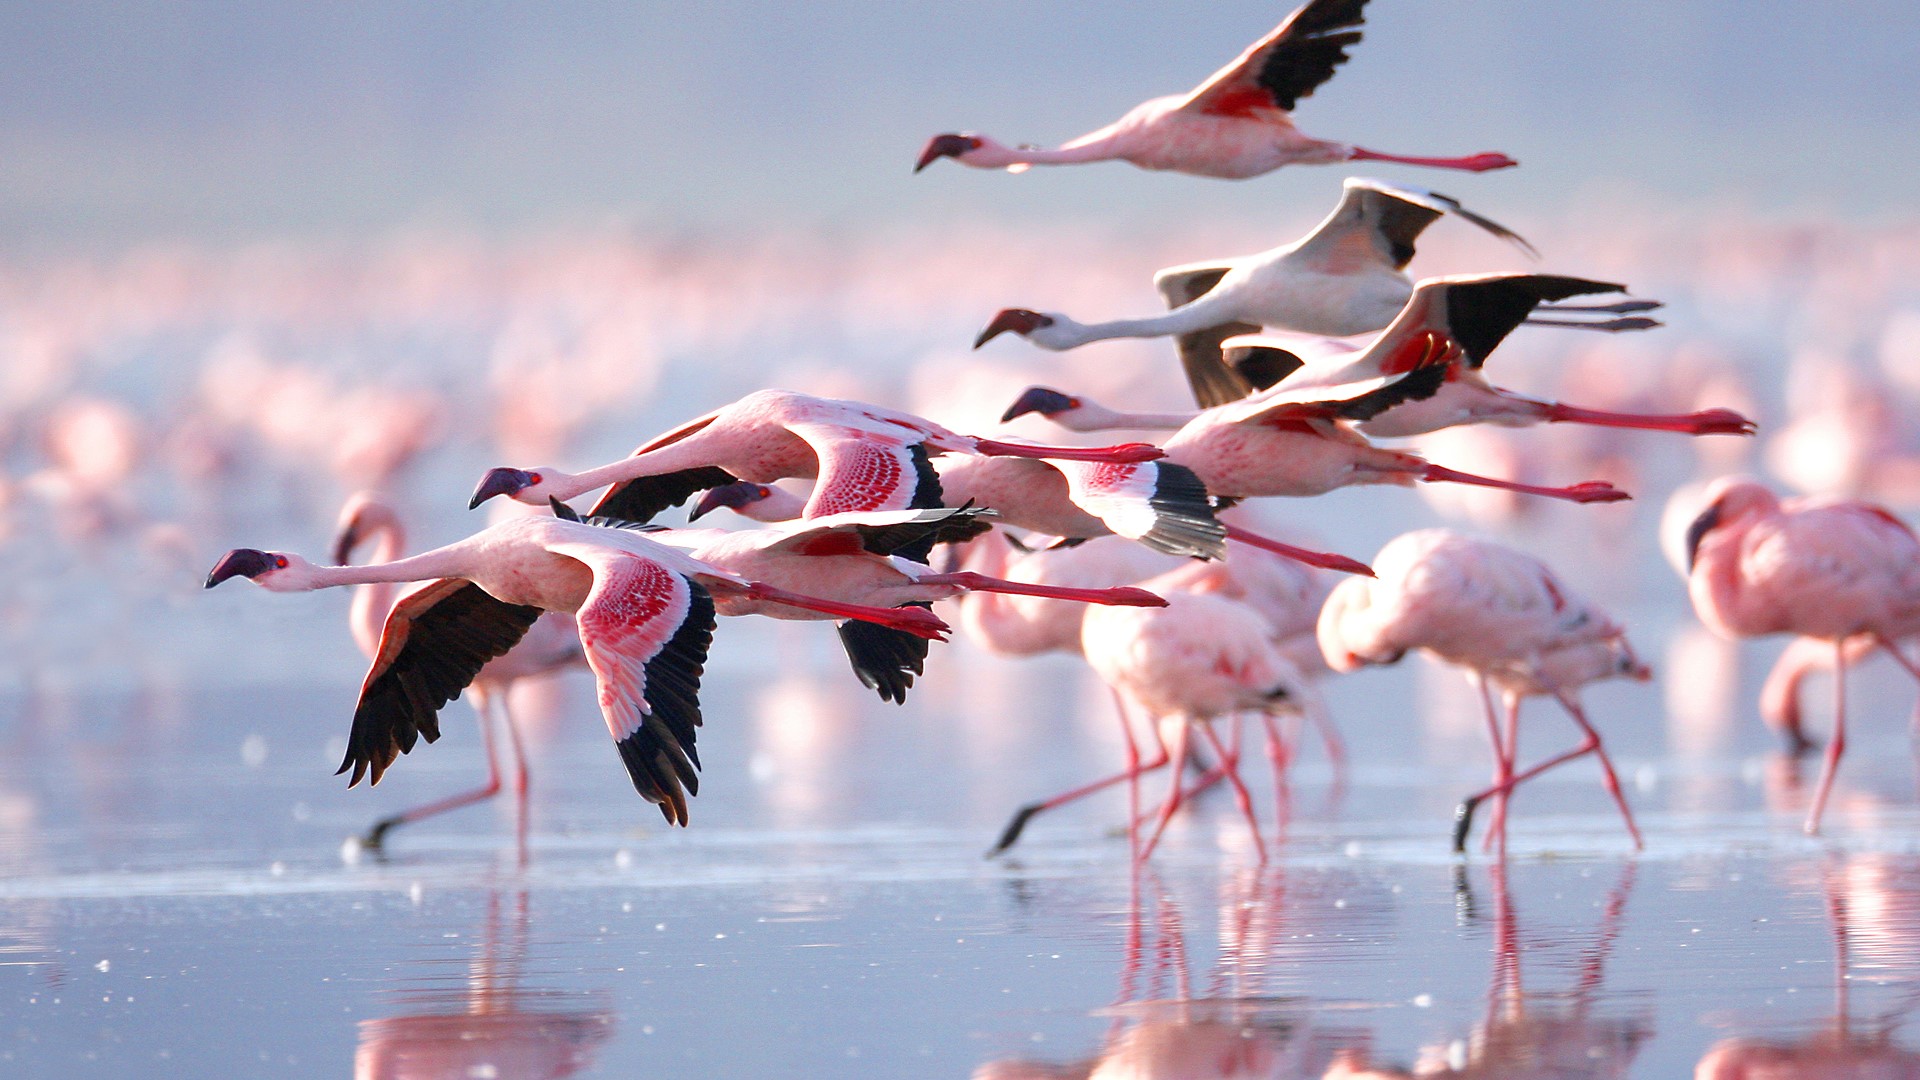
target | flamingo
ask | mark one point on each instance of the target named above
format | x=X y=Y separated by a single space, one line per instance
x=1504 y=617
x=1298 y=441
x=866 y=457
x=1234 y=126
x=551 y=644
x=1830 y=569
x=851 y=558
x=645 y=613
x=1347 y=276
x=1012 y=625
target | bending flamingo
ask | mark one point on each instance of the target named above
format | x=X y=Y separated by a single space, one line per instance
x=1820 y=568
x=1348 y=276
x=1504 y=617
x=1234 y=125
x=645 y=613
x=552 y=643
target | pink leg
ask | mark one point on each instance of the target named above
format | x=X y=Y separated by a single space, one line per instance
x=1230 y=764
x=1134 y=769
x=1121 y=454
x=1607 y=777
x=1124 y=596
x=520 y=776
x=1502 y=759
x=1590 y=492
x=1324 y=560
x=1590 y=745
x=1704 y=422
x=377 y=835
x=1471 y=163
x=1836 y=745
x=1279 y=754
x=1172 y=805
x=1497 y=834
x=917 y=621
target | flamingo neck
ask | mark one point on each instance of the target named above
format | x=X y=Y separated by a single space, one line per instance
x=1094 y=417
x=689 y=453
x=1185 y=319
x=992 y=155
x=367 y=618
x=449 y=561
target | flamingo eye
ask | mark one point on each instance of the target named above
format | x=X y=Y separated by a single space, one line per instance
x=765 y=491
x=279 y=562
x=533 y=478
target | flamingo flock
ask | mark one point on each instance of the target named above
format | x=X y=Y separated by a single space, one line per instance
x=1306 y=361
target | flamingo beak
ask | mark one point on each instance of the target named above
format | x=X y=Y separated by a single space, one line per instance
x=500 y=482
x=240 y=562
x=344 y=543
x=1039 y=399
x=1698 y=531
x=1019 y=320
x=733 y=496
x=945 y=146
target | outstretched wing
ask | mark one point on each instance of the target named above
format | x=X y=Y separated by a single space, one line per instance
x=646 y=631
x=884 y=532
x=641 y=499
x=1364 y=397
x=1286 y=65
x=863 y=470
x=885 y=659
x=1213 y=382
x=436 y=639
x=1481 y=311
x=1158 y=503
x=1379 y=222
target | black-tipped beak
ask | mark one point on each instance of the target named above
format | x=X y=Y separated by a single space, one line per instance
x=1698 y=531
x=240 y=562
x=500 y=482
x=732 y=496
x=1019 y=320
x=1039 y=399
x=945 y=146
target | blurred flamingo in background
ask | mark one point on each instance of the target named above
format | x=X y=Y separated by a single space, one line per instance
x=1234 y=125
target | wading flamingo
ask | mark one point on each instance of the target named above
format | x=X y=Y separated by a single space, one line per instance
x=1234 y=125
x=1504 y=617
x=1820 y=568
x=645 y=613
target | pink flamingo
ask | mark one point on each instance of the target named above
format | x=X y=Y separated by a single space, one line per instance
x=866 y=457
x=1234 y=125
x=1504 y=617
x=1347 y=276
x=1820 y=568
x=1300 y=441
x=645 y=613
x=551 y=644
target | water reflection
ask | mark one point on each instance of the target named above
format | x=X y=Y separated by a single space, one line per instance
x=1873 y=906
x=490 y=1026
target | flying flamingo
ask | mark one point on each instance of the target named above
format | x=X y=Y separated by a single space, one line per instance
x=552 y=643
x=1234 y=125
x=1010 y=625
x=1504 y=617
x=1299 y=441
x=645 y=613
x=1348 y=276
x=1820 y=568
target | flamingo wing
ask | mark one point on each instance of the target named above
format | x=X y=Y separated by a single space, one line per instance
x=641 y=499
x=863 y=470
x=884 y=659
x=1158 y=503
x=1378 y=221
x=1480 y=311
x=436 y=639
x=884 y=532
x=646 y=630
x=1286 y=65
x=1358 y=399
x=1213 y=382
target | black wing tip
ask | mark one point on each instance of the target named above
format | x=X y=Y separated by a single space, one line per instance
x=883 y=658
x=1183 y=515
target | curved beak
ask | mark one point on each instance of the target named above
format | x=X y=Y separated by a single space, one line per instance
x=345 y=542
x=945 y=146
x=1698 y=531
x=240 y=562
x=500 y=482
x=1019 y=320
x=1039 y=399
x=732 y=496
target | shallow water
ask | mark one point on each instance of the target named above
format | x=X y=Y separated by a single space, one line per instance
x=175 y=897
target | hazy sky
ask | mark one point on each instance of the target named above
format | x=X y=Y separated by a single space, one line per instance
x=123 y=121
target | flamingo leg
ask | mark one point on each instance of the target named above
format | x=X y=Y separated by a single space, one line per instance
x=1174 y=794
x=1135 y=768
x=1502 y=760
x=1590 y=492
x=917 y=621
x=1510 y=753
x=1120 y=454
x=1470 y=163
x=1124 y=596
x=1326 y=560
x=1608 y=778
x=377 y=835
x=1836 y=745
x=1463 y=821
x=1230 y=764
x=520 y=775
x=1704 y=422
x=1279 y=755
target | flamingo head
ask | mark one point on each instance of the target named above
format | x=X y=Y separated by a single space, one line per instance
x=1019 y=321
x=737 y=496
x=1040 y=399
x=278 y=571
x=530 y=486
x=953 y=146
x=1729 y=499
x=363 y=516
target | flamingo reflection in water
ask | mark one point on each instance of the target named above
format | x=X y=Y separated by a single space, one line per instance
x=1873 y=903
x=491 y=1027
x=1528 y=1035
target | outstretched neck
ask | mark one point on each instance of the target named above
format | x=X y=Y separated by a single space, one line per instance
x=992 y=155
x=1186 y=319
x=688 y=453
x=449 y=561
x=1092 y=416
